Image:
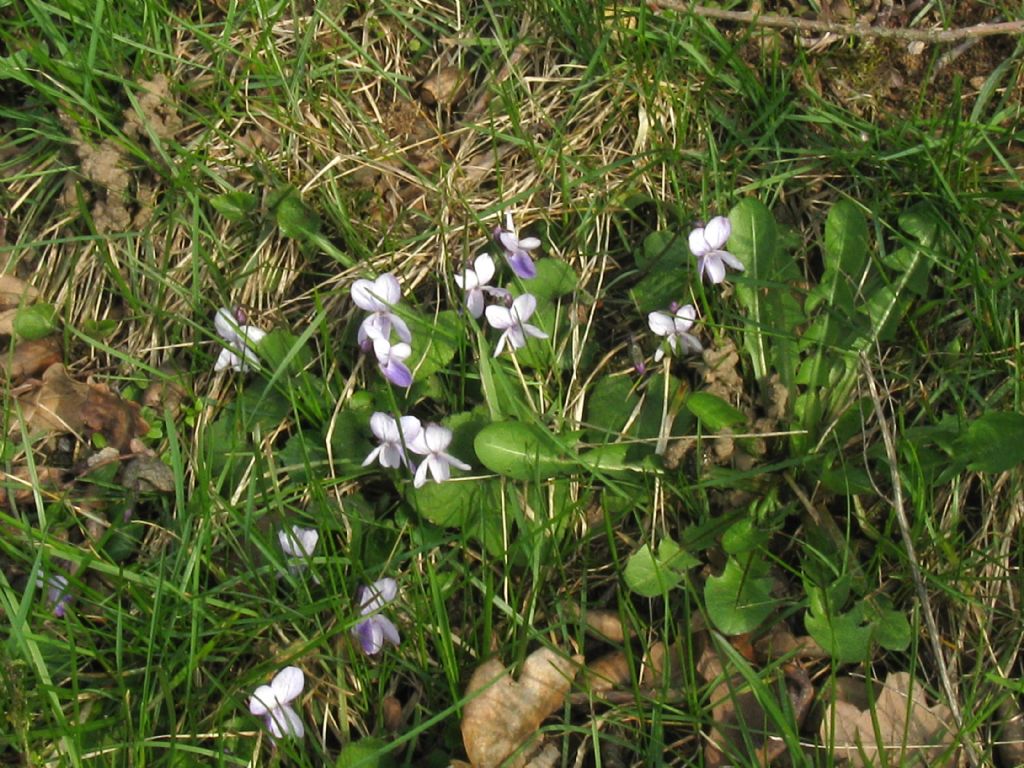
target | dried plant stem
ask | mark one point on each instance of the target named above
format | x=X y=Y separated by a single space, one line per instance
x=915 y=570
x=774 y=21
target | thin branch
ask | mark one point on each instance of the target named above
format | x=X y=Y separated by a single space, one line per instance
x=775 y=21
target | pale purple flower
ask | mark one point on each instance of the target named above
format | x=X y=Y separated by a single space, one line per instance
x=517 y=250
x=474 y=281
x=299 y=544
x=431 y=442
x=391 y=359
x=238 y=355
x=376 y=628
x=273 y=703
x=57 y=594
x=512 y=322
x=674 y=326
x=706 y=244
x=378 y=297
x=394 y=436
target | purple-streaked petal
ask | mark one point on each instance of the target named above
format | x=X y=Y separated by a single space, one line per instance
x=522 y=265
x=397 y=373
x=499 y=317
x=436 y=438
x=698 y=245
x=524 y=306
x=484 y=268
x=717 y=232
x=389 y=630
x=287 y=684
x=731 y=260
x=284 y=721
x=262 y=700
x=475 y=302
x=362 y=295
x=371 y=636
x=661 y=323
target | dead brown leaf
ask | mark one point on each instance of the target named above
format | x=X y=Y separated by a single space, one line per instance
x=147 y=473
x=21 y=484
x=15 y=292
x=30 y=358
x=908 y=730
x=61 y=404
x=503 y=714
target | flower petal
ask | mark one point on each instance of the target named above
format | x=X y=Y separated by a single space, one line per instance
x=524 y=306
x=389 y=630
x=362 y=294
x=385 y=590
x=475 y=302
x=661 y=323
x=484 y=267
x=226 y=324
x=529 y=243
x=285 y=721
x=397 y=373
x=383 y=426
x=714 y=269
x=499 y=317
x=522 y=265
x=731 y=260
x=371 y=635
x=287 y=684
x=717 y=232
x=698 y=244
x=262 y=700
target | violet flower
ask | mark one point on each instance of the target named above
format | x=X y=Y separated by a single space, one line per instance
x=674 y=326
x=378 y=297
x=517 y=251
x=57 y=594
x=391 y=359
x=431 y=442
x=238 y=355
x=474 y=281
x=512 y=322
x=376 y=628
x=299 y=544
x=394 y=437
x=706 y=244
x=273 y=703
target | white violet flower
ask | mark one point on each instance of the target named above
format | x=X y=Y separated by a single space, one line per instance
x=517 y=250
x=706 y=244
x=431 y=442
x=474 y=281
x=238 y=355
x=394 y=436
x=512 y=322
x=378 y=297
x=273 y=703
x=674 y=326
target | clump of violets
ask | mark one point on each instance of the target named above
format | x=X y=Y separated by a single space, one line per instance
x=376 y=628
x=398 y=437
x=517 y=250
x=511 y=321
x=707 y=244
x=238 y=355
x=675 y=325
x=378 y=297
x=273 y=703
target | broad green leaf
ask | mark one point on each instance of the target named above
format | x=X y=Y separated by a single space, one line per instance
x=765 y=291
x=282 y=351
x=713 y=412
x=891 y=629
x=994 y=442
x=554 y=278
x=743 y=536
x=434 y=347
x=294 y=218
x=609 y=406
x=235 y=206
x=365 y=753
x=304 y=455
x=651 y=574
x=740 y=599
x=663 y=262
x=662 y=251
x=845 y=254
x=521 y=451
x=35 y=321
x=846 y=637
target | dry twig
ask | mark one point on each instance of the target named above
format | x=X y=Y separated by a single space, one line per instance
x=774 y=21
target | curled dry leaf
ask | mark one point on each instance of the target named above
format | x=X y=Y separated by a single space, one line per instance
x=15 y=292
x=444 y=87
x=167 y=393
x=503 y=715
x=62 y=404
x=606 y=624
x=146 y=474
x=908 y=730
